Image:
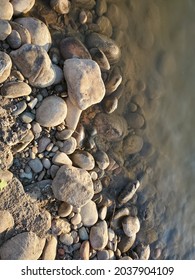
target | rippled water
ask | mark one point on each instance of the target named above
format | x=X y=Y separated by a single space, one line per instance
x=170 y=62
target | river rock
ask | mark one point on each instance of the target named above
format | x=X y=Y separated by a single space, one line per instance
x=14 y=40
x=15 y=89
x=102 y=159
x=5 y=66
x=69 y=146
x=100 y=58
x=39 y=32
x=35 y=64
x=83 y=159
x=131 y=225
x=22 y=6
x=101 y=7
x=135 y=120
x=73 y=185
x=65 y=209
x=143 y=251
x=84 y=250
x=5 y=29
x=61 y=158
x=7 y=221
x=49 y=252
x=36 y=165
x=99 y=235
x=105 y=44
x=51 y=112
x=89 y=214
x=132 y=144
x=22 y=31
x=23 y=246
x=6 y=10
x=83 y=234
x=105 y=26
x=126 y=243
x=72 y=47
x=60 y=6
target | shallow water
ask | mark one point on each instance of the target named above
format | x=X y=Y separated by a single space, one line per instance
x=170 y=61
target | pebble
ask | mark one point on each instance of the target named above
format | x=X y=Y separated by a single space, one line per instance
x=143 y=251
x=101 y=7
x=110 y=104
x=27 y=117
x=51 y=112
x=114 y=81
x=20 y=108
x=49 y=252
x=105 y=26
x=64 y=210
x=103 y=255
x=53 y=170
x=5 y=65
x=76 y=220
x=84 y=250
x=60 y=6
x=132 y=144
x=60 y=226
x=72 y=47
x=31 y=249
x=83 y=159
x=126 y=243
x=36 y=165
x=5 y=29
x=99 y=235
x=73 y=185
x=66 y=239
x=118 y=216
x=46 y=163
x=64 y=134
x=6 y=10
x=97 y=185
x=106 y=45
x=23 y=6
x=7 y=221
x=139 y=100
x=43 y=143
x=83 y=234
x=128 y=192
x=61 y=159
x=100 y=58
x=135 y=120
x=22 y=31
x=32 y=103
x=102 y=213
x=14 y=40
x=69 y=146
x=101 y=159
x=131 y=225
x=38 y=30
x=39 y=72
x=15 y=89
x=89 y=214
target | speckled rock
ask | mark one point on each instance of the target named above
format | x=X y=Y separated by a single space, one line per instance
x=83 y=159
x=72 y=47
x=15 y=89
x=99 y=235
x=51 y=112
x=7 y=221
x=73 y=185
x=22 y=6
x=6 y=10
x=35 y=64
x=39 y=32
x=65 y=209
x=23 y=246
x=5 y=66
x=69 y=146
x=126 y=243
x=85 y=250
x=66 y=239
x=5 y=29
x=89 y=214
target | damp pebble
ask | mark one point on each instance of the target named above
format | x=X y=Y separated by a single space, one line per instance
x=128 y=192
x=83 y=234
x=89 y=214
x=20 y=108
x=14 y=40
x=110 y=104
x=53 y=170
x=36 y=165
x=101 y=159
x=43 y=143
x=72 y=47
x=132 y=144
x=27 y=117
x=105 y=26
x=100 y=58
x=131 y=225
x=64 y=134
x=5 y=66
x=46 y=163
x=135 y=120
x=126 y=243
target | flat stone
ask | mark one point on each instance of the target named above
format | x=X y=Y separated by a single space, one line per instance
x=69 y=146
x=49 y=252
x=72 y=47
x=73 y=185
x=5 y=65
x=15 y=89
x=99 y=235
x=61 y=159
x=5 y=29
x=89 y=214
x=43 y=143
x=51 y=112
x=83 y=159
x=23 y=246
x=126 y=243
x=36 y=165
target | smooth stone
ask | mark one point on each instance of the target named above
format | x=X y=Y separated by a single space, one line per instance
x=14 y=40
x=64 y=134
x=38 y=30
x=61 y=158
x=43 y=143
x=110 y=104
x=116 y=222
x=99 y=235
x=65 y=209
x=35 y=64
x=69 y=146
x=83 y=159
x=143 y=251
x=106 y=45
x=22 y=31
x=105 y=26
x=49 y=252
x=7 y=221
x=102 y=212
x=53 y=170
x=46 y=163
x=113 y=81
x=139 y=100
x=27 y=117
x=83 y=234
x=89 y=214
x=101 y=159
x=6 y=10
x=5 y=66
x=59 y=76
x=60 y=6
x=15 y=89
x=23 y=6
x=33 y=103
x=132 y=144
x=51 y=112
x=135 y=120
x=84 y=250
x=101 y=7
x=128 y=192
x=72 y=47
x=103 y=255
x=66 y=239
x=5 y=29
x=73 y=185
x=76 y=220
x=131 y=225
x=101 y=59
x=23 y=246
x=126 y=243
x=36 y=165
